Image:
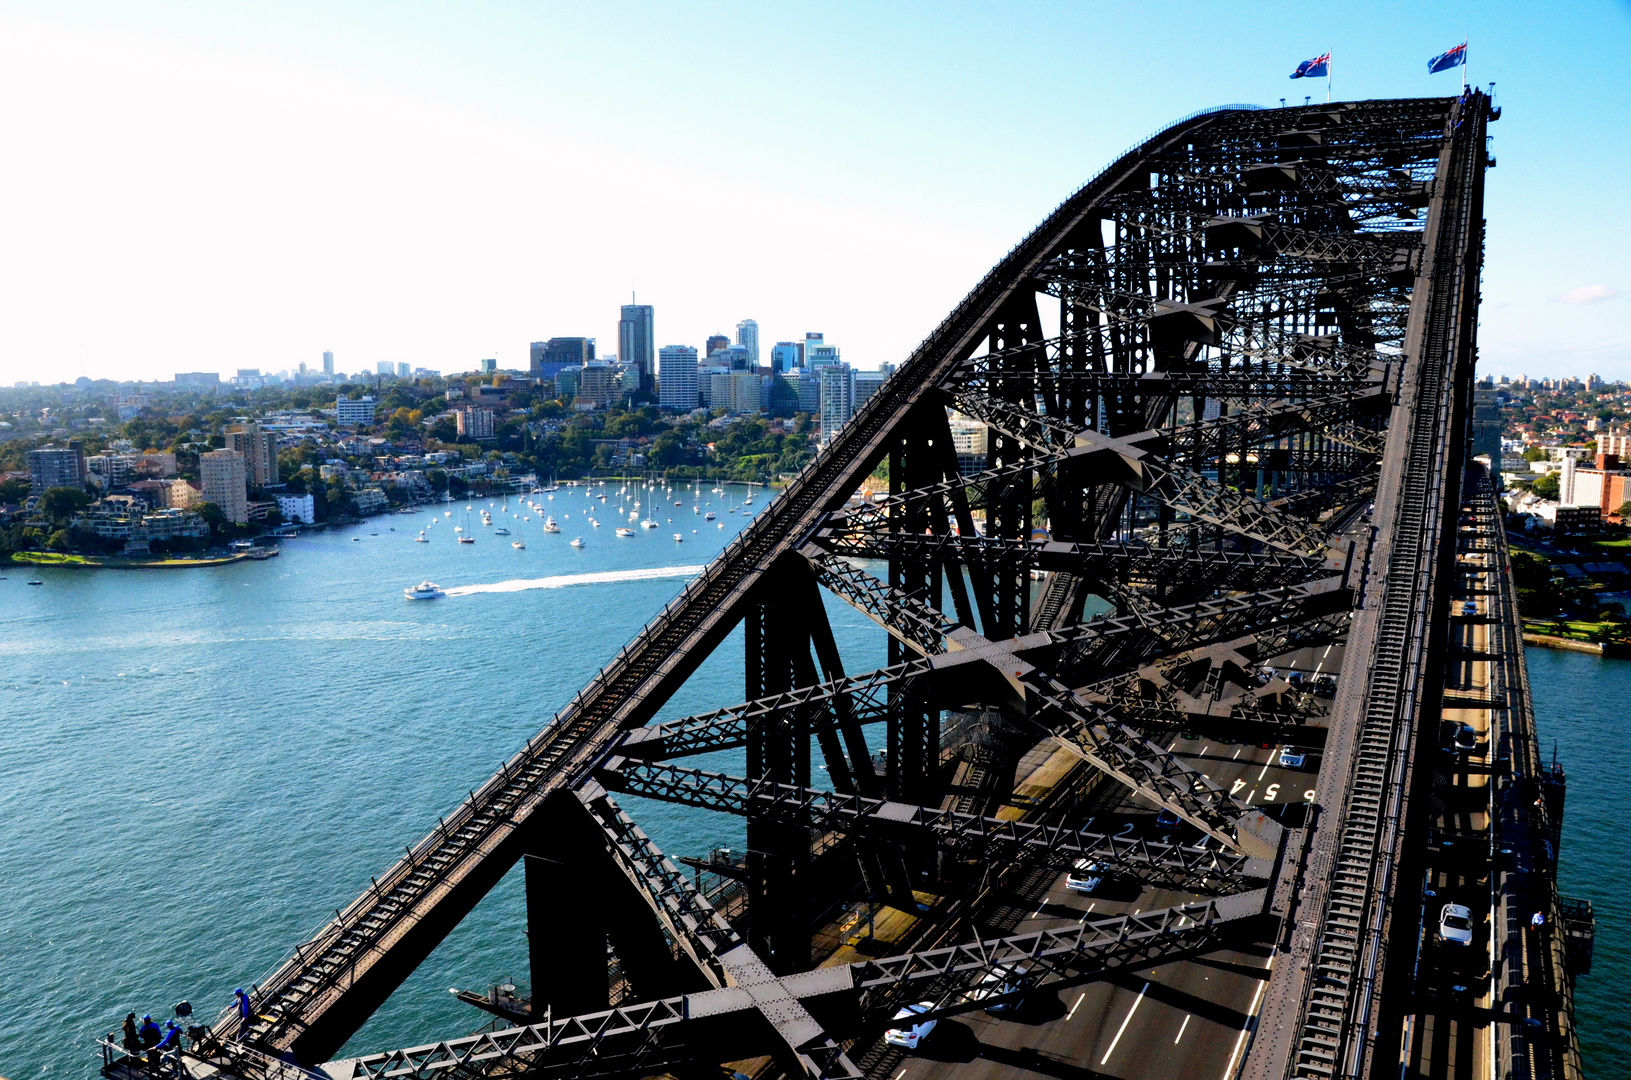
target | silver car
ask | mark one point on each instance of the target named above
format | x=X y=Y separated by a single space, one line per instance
x=1455 y=924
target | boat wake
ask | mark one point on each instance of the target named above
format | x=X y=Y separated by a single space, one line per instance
x=565 y=580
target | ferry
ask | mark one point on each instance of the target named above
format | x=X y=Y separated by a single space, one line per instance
x=577 y=541
x=425 y=590
x=625 y=532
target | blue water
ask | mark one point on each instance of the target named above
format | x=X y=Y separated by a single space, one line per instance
x=198 y=766
x=1581 y=706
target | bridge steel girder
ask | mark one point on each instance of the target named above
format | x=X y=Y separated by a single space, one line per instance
x=1235 y=370
x=1169 y=866
x=653 y=1036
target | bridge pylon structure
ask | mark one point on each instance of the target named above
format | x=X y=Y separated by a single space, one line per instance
x=1211 y=411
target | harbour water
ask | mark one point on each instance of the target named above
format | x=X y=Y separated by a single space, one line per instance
x=197 y=767
x=1581 y=705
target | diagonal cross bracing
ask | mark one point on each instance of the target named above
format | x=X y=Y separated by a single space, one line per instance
x=1126 y=755
x=676 y=1030
x=1053 y=958
x=1172 y=866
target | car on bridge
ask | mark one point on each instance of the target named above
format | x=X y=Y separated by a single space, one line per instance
x=1455 y=924
x=911 y=1036
x=1459 y=737
x=1004 y=980
x=1084 y=877
x=1292 y=758
x=1166 y=819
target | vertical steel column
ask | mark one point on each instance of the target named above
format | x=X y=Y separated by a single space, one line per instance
x=579 y=906
x=914 y=728
x=1008 y=515
x=778 y=853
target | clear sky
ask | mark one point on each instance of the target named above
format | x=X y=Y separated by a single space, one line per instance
x=206 y=185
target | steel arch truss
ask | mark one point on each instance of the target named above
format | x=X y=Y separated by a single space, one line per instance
x=1126 y=476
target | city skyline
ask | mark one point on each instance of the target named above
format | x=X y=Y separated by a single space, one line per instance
x=339 y=127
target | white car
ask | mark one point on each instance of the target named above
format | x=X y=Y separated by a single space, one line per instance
x=911 y=1037
x=1292 y=759
x=1085 y=877
x=1455 y=924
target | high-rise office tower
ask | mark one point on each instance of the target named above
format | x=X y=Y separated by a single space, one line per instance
x=403 y=370
x=818 y=356
x=550 y=358
x=747 y=336
x=383 y=367
x=837 y=399
x=715 y=343
x=635 y=343
x=328 y=363
x=677 y=377
x=811 y=340
x=489 y=365
x=785 y=356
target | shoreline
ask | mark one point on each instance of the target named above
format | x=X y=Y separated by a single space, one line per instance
x=93 y=562
x=1614 y=650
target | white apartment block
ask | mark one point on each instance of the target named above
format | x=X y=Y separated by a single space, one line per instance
x=677 y=378
x=354 y=413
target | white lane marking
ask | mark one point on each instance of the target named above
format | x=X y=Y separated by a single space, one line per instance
x=1123 y=1026
x=900 y=1074
x=1323 y=655
x=1205 y=748
x=1174 y=743
x=1250 y=797
x=1181 y=1028
x=1068 y=1015
x=1251 y=1014
x=1266 y=764
x=1237 y=754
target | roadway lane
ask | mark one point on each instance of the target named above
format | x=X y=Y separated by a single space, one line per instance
x=1186 y=1018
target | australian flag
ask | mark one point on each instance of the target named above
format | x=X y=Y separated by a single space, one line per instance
x=1313 y=69
x=1445 y=61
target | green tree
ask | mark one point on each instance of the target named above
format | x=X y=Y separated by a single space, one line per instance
x=1534 y=453
x=1545 y=487
x=61 y=503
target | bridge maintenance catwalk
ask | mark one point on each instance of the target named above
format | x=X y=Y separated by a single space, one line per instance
x=1169 y=528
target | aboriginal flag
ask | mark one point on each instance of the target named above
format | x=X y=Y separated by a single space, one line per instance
x=1445 y=61
x=1313 y=69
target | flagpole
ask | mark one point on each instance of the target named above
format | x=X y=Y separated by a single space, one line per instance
x=1328 y=82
